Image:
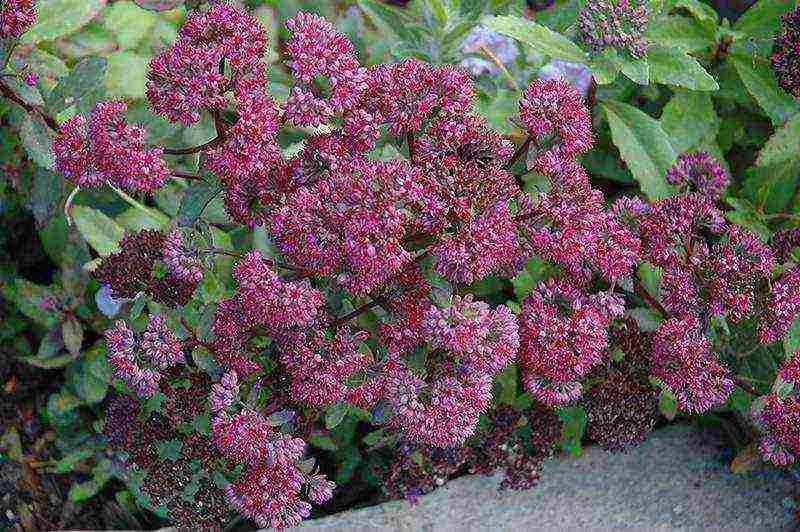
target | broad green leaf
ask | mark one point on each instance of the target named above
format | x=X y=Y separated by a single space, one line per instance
x=58 y=18
x=194 y=202
x=158 y=5
x=643 y=145
x=25 y=92
x=668 y=404
x=763 y=19
x=39 y=303
x=688 y=118
x=497 y=110
x=391 y=21
x=129 y=23
x=86 y=76
x=45 y=196
x=126 y=75
x=574 y=419
x=83 y=491
x=681 y=32
x=771 y=188
x=606 y=66
x=761 y=85
x=323 y=442
x=169 y=449
x=783 y=145
x=791 y=344
x=68 y=463
x=672 y=66
x=702 y=12
x=72 y=333
x=99 y=231
x=636 y=70
x=37 y=139
x=538 y=37
x=335 y=415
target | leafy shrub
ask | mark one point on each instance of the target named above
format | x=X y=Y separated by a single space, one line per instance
x=389 y=251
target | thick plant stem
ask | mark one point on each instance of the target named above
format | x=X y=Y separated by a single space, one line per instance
x=521 y=150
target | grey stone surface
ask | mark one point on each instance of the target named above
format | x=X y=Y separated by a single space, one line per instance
x=674 y=481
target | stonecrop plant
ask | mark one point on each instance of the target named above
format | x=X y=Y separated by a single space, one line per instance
x=361 y=213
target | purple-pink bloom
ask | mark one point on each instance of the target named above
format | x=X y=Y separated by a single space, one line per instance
x=701 y=172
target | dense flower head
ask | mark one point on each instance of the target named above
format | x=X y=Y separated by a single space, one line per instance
x=779 y=418
x=182 y=260
x=416 y=470
x=408 y=93
x=620 y=411
x=562 y=338
x=782 y=306
x=224 y=393
x=122 y=355
x=250 y=149
x=484 y=245
x=683 y=361
x=783 y=243
x=105 y=148
x=184 y=80
x=556 y=117
x=482 y=339
x=268 y=301
x=16 y=16
x=442 y=412
x=786 y=55
x=160 y=344
x=701 y=172
x=187 y=77
x=617 y=24
x=348 y=224
x=317 y=50
x=668 y=224
x=131 y=270
x=321 y=366
x=407 y=299
x=270 y=488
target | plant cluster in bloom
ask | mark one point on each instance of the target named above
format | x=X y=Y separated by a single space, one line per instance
x=615 y=24
x=16 y=16
x=778 y=416
x=785 y=58
x=360 y=303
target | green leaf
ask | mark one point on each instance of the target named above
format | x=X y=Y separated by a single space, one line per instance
x=45 y=196
x=68 y=463
x=538 y=37
x=26 y=93
x=574 y=419
x=391 y=21
x=763 y=19
x=86 y=76
x=39 y=303
x=672 y=66
x=761 y=85
x=791 y=344
x=681 y=32
x=783 y=145
x=702 y=12
x=606 y=66
x=126 y=75
x=637 y=70
x=37 y=139
x=83 y=491
x=99 y=231
x=688 y=118
x=58 y=18
x=643 y=145
x=129 y=23
x=335 y=415
x=61 y=404
x=169 y=449
x=668 y=404
x=323 y=442
x=158 y=5
x=194 y=202
x=72 y=333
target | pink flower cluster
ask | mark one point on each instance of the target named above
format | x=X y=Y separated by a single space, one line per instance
x=270 y=488
x=262 y=299
x=105 y=149
x=158 y=348
x=682 y=359
x=563 y=336
x=782 y=307
x=189 y=77
x=778 y=416
x=701 y=172
x=16 y=16
x=181 y=260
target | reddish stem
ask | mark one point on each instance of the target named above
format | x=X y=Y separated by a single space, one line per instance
x=6 y=91
x=519 y=153
x=650 y=300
